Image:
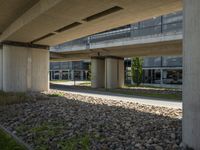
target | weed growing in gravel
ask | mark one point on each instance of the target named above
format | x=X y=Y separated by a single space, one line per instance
x=11 y=98
x=56 y=95
x=45 y=132
x=81 y=142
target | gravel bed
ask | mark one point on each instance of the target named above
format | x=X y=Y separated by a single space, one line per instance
x=57 y=120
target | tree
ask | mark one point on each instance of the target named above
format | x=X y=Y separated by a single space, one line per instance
x=136 y=70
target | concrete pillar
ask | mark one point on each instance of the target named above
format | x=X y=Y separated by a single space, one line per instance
x=82 y=75
x=114 y=72
x=161 y=76
x=68 y=75
x=191 y=74
x=1 y=67
x=51 y=75
x=86 y=75
x=72 y=74
x=97 y=72
x=25 y=69
x=60 y=74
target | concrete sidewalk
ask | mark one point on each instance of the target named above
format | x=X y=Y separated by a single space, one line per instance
x=119 y=97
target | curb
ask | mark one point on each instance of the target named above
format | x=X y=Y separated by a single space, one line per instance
x=16 y=138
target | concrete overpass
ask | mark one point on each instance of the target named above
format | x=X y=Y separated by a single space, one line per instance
x=110 y=74
x=152 y=45
x=28 y=27
x=127 y=41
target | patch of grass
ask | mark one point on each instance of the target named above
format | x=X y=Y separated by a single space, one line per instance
x=12 y=98
x=51 y=129
x=21 y=128
x=152 y=95
x=164 y=96
x=56 y=95
x=81 y=142
x=45 y=131
x=148 y=86
x=86 y=83
x=8 y=143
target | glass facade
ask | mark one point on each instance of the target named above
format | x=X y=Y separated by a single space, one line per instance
x=69 y=70
x=158 y=70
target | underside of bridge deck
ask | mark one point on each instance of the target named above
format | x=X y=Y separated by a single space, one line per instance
x=50 y=22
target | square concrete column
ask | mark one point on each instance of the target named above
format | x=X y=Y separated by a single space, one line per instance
x=114 y=72
x=97 y=72
x=191 y=74
x=72 y=75
x=82 y=75
x=1 y=67
x=25 y=69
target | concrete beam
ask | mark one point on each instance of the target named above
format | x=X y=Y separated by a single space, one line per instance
x=37 y=10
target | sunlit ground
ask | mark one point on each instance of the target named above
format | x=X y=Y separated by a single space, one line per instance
x=142 y=90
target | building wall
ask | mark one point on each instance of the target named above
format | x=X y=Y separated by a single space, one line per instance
x=69 y=70
x=158 y=70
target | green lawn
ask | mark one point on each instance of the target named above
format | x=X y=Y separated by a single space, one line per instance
x=152 y=95
x=148 y=86
x=49 y=130
x=86 y=83
x=8 y=143
x=127 y=91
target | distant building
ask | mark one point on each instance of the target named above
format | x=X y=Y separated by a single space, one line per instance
x=156 y=70
x=77 y=70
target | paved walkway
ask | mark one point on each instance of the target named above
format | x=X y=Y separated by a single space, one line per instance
x=119 y=97
x=69 y=83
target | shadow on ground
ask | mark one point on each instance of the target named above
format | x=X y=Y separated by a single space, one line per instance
x=64 y=121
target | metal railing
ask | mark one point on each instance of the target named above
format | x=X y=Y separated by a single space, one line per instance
x=133 y=33
x=174 y=27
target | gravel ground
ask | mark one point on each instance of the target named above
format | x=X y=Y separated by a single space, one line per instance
x=57 y=120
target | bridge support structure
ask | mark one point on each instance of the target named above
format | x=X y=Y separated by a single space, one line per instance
x=98 y=72
x=107 y=72
x=24 y=67
x=1 y=67
x=114 y=72
x=191 y=74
